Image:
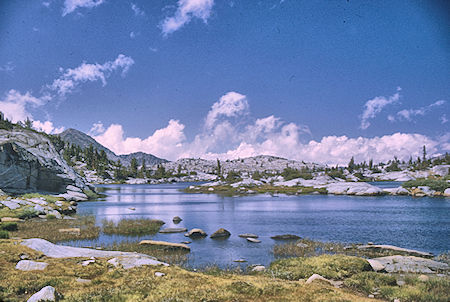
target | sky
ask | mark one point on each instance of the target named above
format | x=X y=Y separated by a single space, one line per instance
x=318 y=81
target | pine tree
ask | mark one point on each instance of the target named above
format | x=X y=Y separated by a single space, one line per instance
x=133 y=167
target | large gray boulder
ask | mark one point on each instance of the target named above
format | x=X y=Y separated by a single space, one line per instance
x=30 y=265
x=411 y=264
x=30 y=163
x=47 y=293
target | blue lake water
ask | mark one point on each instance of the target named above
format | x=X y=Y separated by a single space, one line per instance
x=417 y=223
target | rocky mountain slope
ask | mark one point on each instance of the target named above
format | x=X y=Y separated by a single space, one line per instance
x=29 y=162
x=76 y=137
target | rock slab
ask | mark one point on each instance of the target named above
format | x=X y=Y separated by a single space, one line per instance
x=47 y=293
x=30 y=265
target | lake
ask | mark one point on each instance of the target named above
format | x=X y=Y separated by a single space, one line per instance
x=417 y=223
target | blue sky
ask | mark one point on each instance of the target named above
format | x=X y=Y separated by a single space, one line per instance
x=313 y=80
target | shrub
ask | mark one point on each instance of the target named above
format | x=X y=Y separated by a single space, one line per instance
x=4 y=234
x=289 y=173
x=9 y=226
x=336 y=174
x=27 y=213
x=50 y=216
x=434 y=184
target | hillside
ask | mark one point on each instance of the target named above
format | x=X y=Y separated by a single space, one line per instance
x=78 y=138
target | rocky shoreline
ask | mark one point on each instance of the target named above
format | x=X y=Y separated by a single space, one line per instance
x=321 y=184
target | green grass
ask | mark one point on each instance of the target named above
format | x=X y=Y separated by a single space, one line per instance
x=334 y=267
x=4 y=234
x=49 y=230
x=48 y=198
x=8 y=226
x=435 y=289
x=316 y=248
x=141 y=226
x=435 y=184
x=140 y=284
x=228 y=190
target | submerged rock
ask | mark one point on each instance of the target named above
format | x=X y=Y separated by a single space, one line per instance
x=285 y=237
x=30 y=265
x=254 y=240
x=196 y=233
x=47 y=293
x=166 y=245
x=176 y=219
x=220 y=233
x=248 y=235
x=172 y=230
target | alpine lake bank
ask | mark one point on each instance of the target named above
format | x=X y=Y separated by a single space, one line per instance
x=305 y=270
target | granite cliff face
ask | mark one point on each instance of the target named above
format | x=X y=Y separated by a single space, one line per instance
x=30 y=163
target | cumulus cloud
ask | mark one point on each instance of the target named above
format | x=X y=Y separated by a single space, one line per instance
x=409 y=114
x=186 y=11
x=230 y=105
x=137 y=11
x=165 y=142
x=97 y=128
x=71 y=78
x=15 y=105
x=47 y=127
x=71 y=5
x=375 y=106
x=222 y=138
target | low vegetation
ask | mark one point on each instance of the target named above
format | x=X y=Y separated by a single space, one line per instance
x=334 y=267
x=434 y=183
x=141 y=226
x=414 y=289
x=108 y=283
x=176 y=257
x=310 y=248
x=50 y=229
x=228 y=190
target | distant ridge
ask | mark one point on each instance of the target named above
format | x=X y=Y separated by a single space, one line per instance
x=76 y=137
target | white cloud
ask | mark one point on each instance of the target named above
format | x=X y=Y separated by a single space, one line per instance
x=137 y=11
x=222 y=138
x=230 y=105
x=70 y=79
x=186 y=11
x=375 y=106
x=132 y=35
x=165 y=142
x=97 y=129
x=408 y=114
x=47 y=127
x=14 y=105
x=71 y=5
x=443 y=119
